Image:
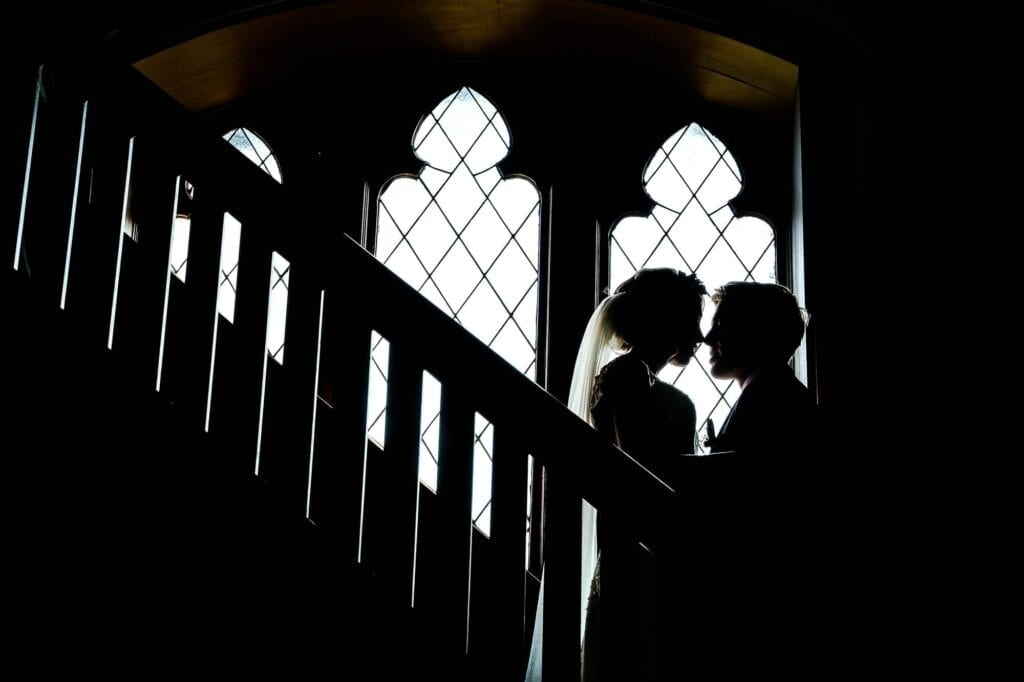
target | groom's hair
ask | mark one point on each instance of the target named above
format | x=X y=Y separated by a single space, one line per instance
x=766 y=314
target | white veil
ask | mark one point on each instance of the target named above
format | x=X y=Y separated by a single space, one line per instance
x=597 y=348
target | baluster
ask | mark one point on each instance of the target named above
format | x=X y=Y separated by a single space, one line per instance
x=454 y=491
x=508 y=533
x=288 y=393
x=241 y=352
x=561 y=584
x=98 y=228
x=392 y=481
x=19 y=145
x=45 y=212
x=137 y=311
x=339 y=449
x=190 y=313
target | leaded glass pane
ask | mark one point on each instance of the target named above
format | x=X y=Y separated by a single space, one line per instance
x=430 y=430
x=637 y=238
x=749 y=238
x=691 y=227
x=178 y=260
x=721 y=265
x=693 y=233
x=406 y=200
x=377 y=397
x=483 y=313
x=387 y=239
x=277 y=306
x=231 y=241
x=483 y=464
x=406 y=265
x=525 y=315
x=721 y=186
x=479 y=236
x=431 y=237
x=457 y=276
x=517 y=274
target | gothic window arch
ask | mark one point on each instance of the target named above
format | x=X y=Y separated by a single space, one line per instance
x=253 y=147
x=692 y=177
x=467 y=237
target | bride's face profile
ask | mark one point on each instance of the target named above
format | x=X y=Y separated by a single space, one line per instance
x=670 y=338
x=686 y=339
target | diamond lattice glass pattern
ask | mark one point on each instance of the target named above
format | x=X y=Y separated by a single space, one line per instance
x=483 y=465
x=277 y=306
x=691 y=178
x=254 y=148
x=377 y=398
x=467 y=238
x=178 y=259
x=227 y=286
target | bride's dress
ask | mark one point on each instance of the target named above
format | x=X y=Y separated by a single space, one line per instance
x=654 y=423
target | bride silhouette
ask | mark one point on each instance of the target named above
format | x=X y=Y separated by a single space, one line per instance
x=650 y=321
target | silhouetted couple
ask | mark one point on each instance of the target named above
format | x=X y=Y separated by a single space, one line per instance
x=653 y=320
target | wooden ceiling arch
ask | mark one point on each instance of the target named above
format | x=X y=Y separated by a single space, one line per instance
x=212 y=70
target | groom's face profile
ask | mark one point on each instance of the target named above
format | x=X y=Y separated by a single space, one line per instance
x=726 y=343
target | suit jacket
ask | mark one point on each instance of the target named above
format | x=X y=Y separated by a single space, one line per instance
x=774 y=414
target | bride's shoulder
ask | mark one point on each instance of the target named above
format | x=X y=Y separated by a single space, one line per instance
x=674 y=396
x=625 y=371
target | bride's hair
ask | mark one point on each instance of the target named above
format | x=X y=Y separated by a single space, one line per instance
x=636 y=313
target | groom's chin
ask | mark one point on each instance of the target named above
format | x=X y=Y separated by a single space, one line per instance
x=719 y=371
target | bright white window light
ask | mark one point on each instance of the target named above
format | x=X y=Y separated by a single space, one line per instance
x=692 y=178
x=256 y=149
x=466 y=237
x=227 y=288
x=277 y=306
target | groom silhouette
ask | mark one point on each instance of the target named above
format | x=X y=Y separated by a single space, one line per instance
x=755 y=331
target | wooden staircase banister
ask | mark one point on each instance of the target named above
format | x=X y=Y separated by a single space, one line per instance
x=340 y=265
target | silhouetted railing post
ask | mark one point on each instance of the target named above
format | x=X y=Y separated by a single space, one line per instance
x=137 y=305
x=455 y=492
x=98 y=228
x=289 y=386
x=191 y=310
x=561 y=584
x=18 y=145
x=508 y=530
x=393 y=497
x=44 y=207
x=338 y=462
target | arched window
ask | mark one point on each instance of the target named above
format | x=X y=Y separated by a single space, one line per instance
x=256 y=149
x=467 y=238
x=691 y=178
